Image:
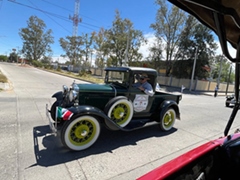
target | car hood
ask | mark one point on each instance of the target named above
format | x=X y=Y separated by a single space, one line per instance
x=95 y=88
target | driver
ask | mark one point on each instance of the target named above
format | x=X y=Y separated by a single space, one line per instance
x=144 y=85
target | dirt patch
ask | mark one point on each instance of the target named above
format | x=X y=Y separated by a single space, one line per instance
x=3 y=78
x=25 y=65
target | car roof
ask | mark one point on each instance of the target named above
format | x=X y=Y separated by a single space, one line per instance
x=135 y=69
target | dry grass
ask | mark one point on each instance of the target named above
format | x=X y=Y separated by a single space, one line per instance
x=86 y=77
x=3 y=78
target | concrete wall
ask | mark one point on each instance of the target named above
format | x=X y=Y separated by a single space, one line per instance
x=197 y=85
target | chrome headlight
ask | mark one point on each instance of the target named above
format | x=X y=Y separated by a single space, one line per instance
x=65 y=89
x=75 y=87
x=72 y=95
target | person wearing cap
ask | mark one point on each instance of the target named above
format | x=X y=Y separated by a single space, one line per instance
x=144 y=85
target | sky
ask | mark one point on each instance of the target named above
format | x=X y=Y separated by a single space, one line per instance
x=56 y=14
x=95 y=14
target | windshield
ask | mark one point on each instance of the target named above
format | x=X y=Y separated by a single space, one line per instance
x=117 y=77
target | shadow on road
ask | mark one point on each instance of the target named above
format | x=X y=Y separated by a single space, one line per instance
x=51 y=152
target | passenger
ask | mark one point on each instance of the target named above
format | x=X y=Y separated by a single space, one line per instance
x=144 y=85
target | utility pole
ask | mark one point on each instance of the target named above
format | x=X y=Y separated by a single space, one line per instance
x=229 y=75
x=193 y=71
x=220 y=71
x=126 y=52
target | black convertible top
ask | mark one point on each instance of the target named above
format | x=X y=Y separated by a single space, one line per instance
x=131 y=68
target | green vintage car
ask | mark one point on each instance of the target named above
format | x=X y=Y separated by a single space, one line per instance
x=80 y=110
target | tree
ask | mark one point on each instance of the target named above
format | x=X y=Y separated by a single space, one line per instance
x=168 y=27
x=195 y=38
x=3 y=58
x=12 y=57
x=46 y=60
x=123 y=42
x=36 y=41
x=156 y=54
x=78 y=48
x=221 y=67
x=100 y=48
x=186 y=45
x=72 y=45
x=206 y=47
x=88 y=48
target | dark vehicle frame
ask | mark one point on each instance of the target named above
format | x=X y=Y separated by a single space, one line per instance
x=219 y=158
x=79 y=111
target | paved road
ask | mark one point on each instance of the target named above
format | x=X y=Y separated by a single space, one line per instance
x=29 y=152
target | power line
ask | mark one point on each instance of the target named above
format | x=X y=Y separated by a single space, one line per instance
x=53 y=14
x=56 y=15
x=51 y=18
x=69 y=10
x=57 y=6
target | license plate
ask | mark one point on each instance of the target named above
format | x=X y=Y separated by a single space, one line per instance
x=52 y=124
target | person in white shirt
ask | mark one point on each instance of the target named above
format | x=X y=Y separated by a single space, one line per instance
x=144 y=85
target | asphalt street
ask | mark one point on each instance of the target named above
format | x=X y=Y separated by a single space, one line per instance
x=29 y=151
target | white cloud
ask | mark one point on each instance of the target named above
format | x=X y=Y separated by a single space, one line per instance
x=232 y=51
x=59 y=59
x=144 y=49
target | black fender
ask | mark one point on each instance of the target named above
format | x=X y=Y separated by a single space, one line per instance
x=229 y=98
x=59 y=99
x=90 y=110
x=58 y=96
x=167 y=104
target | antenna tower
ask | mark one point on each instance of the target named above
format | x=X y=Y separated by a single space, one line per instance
x=75 y=18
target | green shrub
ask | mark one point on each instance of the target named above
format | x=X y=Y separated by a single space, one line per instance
x=84 y=72
x=59 y=69
x=36 y=63
x=46 y=66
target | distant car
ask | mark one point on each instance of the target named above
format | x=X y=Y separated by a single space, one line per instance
x=81 y=110
x=230 y=100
